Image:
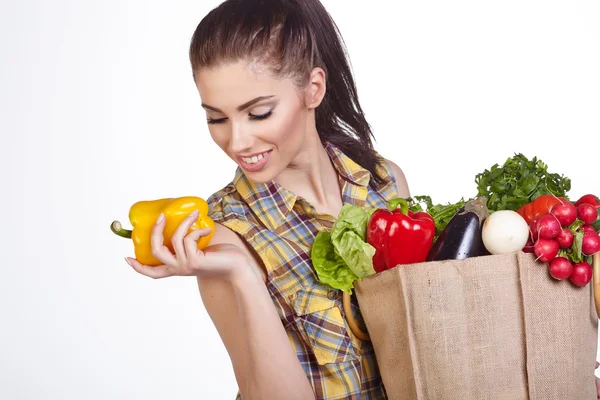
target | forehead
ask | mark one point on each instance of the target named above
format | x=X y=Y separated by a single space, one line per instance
x=232 y=84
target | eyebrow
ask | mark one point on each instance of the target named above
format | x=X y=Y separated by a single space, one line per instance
x=239 y=108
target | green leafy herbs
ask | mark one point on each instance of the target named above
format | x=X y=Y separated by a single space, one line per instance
x=342 y=256
x=441 y=213
x=519 y=181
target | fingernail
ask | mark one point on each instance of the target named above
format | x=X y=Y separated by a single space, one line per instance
x=160 y=219
x=128 y=262
x=194 y=213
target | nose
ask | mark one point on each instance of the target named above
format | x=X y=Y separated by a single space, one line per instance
x=241 y=139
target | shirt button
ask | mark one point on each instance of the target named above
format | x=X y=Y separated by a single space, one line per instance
x=331 y=294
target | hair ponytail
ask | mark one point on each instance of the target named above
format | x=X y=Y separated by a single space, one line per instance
x=292 y=37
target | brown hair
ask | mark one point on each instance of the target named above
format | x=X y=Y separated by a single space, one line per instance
x=291 y=37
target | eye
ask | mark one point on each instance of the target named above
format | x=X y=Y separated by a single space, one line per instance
x=261 y=116
x=215 y=121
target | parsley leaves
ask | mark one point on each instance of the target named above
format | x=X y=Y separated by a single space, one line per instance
x=507 y=187
x=518 y=182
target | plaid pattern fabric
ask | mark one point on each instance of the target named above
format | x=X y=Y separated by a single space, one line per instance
x=281 y=227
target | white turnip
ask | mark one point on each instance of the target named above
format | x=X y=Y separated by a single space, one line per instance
x=504 y=231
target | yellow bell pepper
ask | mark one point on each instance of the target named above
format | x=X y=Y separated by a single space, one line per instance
x=143 y=216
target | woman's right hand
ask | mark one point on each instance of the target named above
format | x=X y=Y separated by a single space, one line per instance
x=217 y=260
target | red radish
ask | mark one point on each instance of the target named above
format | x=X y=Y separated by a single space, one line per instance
x=545 y=249
x=565 y=238
x=590 y=244
x=561 y=268
x=548 y=227
x=589 y=199
x=566 y=213
x=528 y=246
x=533 y=229
x=582 y=274
x=587 y=213
x=587 y=229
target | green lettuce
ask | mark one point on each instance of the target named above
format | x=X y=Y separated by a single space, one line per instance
x=348 y=236
x=342 y=256
x=330 y=267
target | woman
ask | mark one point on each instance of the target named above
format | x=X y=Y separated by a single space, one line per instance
x=281 y=102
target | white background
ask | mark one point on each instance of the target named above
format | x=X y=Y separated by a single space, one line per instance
x=98 y=110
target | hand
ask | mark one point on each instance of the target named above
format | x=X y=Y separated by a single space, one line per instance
x=597 y=382
x=220 y=259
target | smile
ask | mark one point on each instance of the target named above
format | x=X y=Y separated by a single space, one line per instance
x=255 y=159
x=255 y=163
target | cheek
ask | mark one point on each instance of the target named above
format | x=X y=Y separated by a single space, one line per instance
x=289 y=126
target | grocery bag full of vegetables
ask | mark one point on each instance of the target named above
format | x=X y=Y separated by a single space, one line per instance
x=488 y=297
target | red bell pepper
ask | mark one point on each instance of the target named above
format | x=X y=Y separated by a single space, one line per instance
x=399 y=235
x=541 y=206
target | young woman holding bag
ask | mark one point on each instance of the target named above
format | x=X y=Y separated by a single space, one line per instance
x=280 y=101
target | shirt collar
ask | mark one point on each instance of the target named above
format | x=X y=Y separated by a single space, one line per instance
x=347 y=168
x=271 y=202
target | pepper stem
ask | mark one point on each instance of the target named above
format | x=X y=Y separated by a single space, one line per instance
x=393 y=204
x=118 y=230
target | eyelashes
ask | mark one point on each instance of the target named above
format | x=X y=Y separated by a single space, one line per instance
x=261 y=117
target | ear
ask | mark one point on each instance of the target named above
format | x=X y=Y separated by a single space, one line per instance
x=315 y=90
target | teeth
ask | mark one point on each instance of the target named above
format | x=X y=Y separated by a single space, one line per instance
x=253 y=160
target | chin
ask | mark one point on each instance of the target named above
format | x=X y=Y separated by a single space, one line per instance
x=260 y=177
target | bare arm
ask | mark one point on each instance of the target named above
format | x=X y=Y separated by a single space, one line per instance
x=401 y=182
x=264 y=362
x=231 y=280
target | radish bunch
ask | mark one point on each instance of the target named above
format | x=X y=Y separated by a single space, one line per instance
x=565 y=239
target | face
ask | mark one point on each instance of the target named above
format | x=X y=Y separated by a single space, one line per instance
x=258 y=120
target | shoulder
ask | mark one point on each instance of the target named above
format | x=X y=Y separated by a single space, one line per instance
x=400 y=178
x=226 y=236
x=227 y=204
x=229 y=212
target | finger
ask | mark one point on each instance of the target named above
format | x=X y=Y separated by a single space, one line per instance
x=161 y=271
x=191 y=243
x=180 y=233
x=157 y=239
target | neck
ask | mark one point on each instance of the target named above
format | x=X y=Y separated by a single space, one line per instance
x=312 y=175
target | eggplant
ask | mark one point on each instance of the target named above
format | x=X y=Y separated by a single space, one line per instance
x=461 y=238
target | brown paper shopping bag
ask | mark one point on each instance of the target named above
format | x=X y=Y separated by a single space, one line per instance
x=490 y=327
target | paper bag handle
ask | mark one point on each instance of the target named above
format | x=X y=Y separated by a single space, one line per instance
x=352 y=324
x=596 y=280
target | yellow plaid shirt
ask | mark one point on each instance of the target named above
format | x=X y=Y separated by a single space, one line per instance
x=281 y=227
